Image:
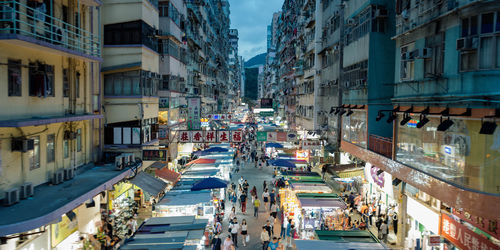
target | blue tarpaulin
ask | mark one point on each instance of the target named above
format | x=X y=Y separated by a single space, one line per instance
x=209 y=183
x=281 y=163
x=273 y=145
x=211 y=151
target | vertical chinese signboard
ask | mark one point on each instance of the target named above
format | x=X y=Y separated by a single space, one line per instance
x=461 y=236
x=194 y=113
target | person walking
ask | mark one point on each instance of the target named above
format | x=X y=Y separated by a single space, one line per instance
x=256 y=205
x=243 y=200
x=274 y=211
x=383 y=231
x=253 y=193
x=232 y=215
x=274 y=245
x=234 y=228
x=228 y=244
x=272 y=198
x=264 y=238
x=216 y=242
x=289 y=233
x=283 y=227
x=264 y=185
x=265 y=198
x=244 y=232
x=269 y=228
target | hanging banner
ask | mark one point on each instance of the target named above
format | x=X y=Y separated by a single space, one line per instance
x=489 y=226
x=461 y=236
x=197 y=136
x=261 y=136
x=281 y=136
x=271 y=136
x=194 y=113
x=236 y=136
x=223 y=136
x=210 y=136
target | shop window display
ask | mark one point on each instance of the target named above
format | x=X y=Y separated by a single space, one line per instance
x=460 y=155
x=354 y=128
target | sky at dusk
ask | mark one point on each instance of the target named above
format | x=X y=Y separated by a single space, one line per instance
x=251 y=18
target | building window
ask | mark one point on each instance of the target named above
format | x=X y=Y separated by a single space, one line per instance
x=79 y=140
x=50 y=148
x=66 y=149
x=15 y=79
x=65 y=83
x=433 y=64
x=407 y=70
x=41 y=80
x=34 y=155
x=131 y=83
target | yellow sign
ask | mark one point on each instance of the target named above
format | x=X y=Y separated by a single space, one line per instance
x=63 y=229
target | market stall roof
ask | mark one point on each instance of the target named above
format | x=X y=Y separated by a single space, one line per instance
x=327 y=245
x=281 y=163
x=209 y=183
x=168 y=174
x=322 y=203
x=304 y=178
x=346 y=236
x=201 y=161
x=311 y=187
x=273 y=145
x=148 y=183
x=299 y=173
x=317 y=196
x=208 y=172
x=158 y=165
x=185 y=198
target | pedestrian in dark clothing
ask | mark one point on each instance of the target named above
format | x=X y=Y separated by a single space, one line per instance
x=350 y=199
x=216 y=242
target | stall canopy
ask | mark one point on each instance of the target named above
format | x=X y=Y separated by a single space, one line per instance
x=185 y=198
x=321 y=203
x=167 y=174
x=211 y=151
x=273 y=145
x=201 y=161
x=209 y=183
x=281 y=163
x=148 y=183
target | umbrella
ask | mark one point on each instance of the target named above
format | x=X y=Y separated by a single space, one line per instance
x=281 y=163
x=209 y=183
x=273 y=145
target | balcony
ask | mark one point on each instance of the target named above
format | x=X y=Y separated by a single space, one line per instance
x=381 y=145
x=21 y=22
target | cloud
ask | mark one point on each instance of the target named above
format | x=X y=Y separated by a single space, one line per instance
x=251 y=18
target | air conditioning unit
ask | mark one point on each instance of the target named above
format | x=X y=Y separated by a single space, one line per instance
x=467 y=43
x=119 y=162
x=27 y=190
x=69 y=173
x=57 y=177
x=129 y=159
x=11 y=197
x=69 y=135
x=22 y=144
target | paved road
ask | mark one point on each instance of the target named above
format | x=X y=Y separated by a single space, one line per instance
x=255 y=178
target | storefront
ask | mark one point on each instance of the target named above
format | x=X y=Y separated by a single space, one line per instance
x=378 y=190
x=121 y=207
x=78 y=224
x=318 y=211
x=422 y=222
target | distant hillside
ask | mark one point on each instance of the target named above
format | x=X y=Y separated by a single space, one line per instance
x=256 y=60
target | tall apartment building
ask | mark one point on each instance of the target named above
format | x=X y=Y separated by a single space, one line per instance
x=131 y=75
x=234 y=70
x=408 y=89
x=51 y=117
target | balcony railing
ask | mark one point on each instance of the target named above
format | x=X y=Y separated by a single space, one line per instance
x=19 y=19
x=381 y=145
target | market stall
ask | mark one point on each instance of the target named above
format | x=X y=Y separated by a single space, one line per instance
x=318 y=211
x=186 y=203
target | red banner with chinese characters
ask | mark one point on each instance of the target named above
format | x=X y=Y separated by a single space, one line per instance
x=462 y=237
x=488 y=226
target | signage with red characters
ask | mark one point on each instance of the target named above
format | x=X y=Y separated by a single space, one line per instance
x=462 y=237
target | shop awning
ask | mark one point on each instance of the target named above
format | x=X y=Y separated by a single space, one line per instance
x=209 y=183
x=273 y=145
x=158 y=165
x=186 y=198
x=281 y=163
x=327 y=245
x=168 y=175
x=149 y=184
x=322 y=203
x=201 y=161
x=208 y=172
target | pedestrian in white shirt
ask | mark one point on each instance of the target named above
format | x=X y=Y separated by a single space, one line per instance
x=234 y=228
